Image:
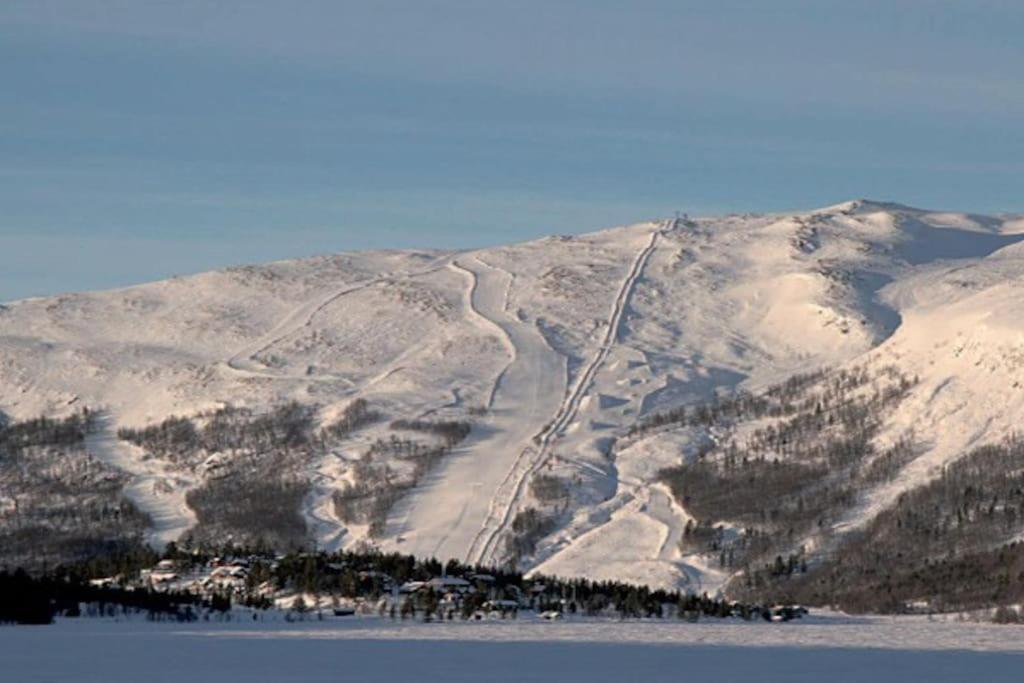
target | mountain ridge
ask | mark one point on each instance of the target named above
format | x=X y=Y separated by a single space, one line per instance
x=571 y=341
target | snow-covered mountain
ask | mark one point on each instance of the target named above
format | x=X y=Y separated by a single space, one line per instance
x=552 y=350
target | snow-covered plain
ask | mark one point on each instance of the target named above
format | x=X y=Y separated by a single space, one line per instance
x=552 y=348
x=833 y=648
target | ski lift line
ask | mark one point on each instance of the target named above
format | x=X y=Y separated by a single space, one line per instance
x=570 y=407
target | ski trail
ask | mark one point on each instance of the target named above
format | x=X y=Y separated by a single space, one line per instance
x=654 y=501
x=486 y=323
x=483 y=548
x=154 y=485
x=318 y=507
x=303 y=316
x=441 y=517
x=660 y=508
x=507 y=299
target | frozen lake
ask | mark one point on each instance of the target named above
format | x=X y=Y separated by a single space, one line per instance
x=370 y=649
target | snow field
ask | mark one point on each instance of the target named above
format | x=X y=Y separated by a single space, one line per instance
x=837 y=649
x=569 y=340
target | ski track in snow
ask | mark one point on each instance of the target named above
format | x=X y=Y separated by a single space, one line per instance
x=485 y=323
x=153 y=486
x=443 y=520
x=318 y=507
x=653 y=501
x=484 y=546
x=243 y=361
x=659 y=508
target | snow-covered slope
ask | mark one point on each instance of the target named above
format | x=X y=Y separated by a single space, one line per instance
x=552 y=349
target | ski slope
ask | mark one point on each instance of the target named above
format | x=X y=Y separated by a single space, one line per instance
x=155 y=487
x=442 y=520
x=552 y=349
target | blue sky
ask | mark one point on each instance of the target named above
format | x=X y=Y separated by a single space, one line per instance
x=142 y=139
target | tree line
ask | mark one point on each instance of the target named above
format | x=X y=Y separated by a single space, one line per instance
x=376 y=486
x=794 y=476
x=368 y=575
x=36 y=600
x=57 y=501
x=949 y=544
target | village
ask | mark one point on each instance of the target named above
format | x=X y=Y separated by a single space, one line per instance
x=440 y=596
x=302 y=586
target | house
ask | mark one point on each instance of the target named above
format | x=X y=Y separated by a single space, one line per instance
x=163 y=573
x=449 y=601
x=105 y=582
x=229 y=576
x=501 y=604
x=411 y=586
x=450 y=584
x=267 y=589
x=496 y=608
x=229 y=572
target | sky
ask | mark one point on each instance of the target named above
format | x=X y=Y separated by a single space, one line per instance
x=143 y=139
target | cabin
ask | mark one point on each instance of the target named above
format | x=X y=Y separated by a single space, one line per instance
x=229 y=576
x=449 y=584
x=411 y=586
x=163 y=573
x=500 y=608
x=106 y=582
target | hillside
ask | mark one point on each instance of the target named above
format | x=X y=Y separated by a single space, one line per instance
x=522 y=402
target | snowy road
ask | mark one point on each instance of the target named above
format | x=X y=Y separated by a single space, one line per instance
x=443 y=516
